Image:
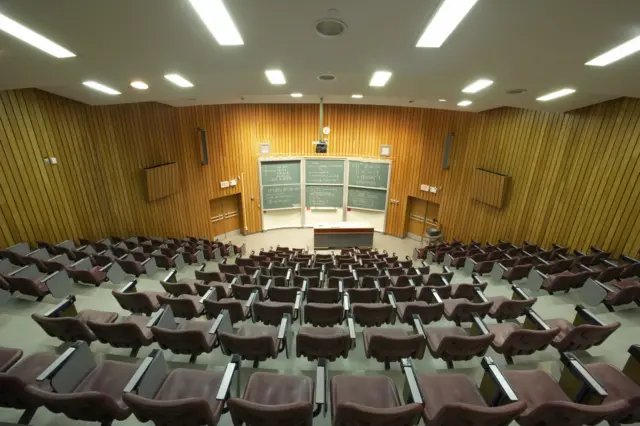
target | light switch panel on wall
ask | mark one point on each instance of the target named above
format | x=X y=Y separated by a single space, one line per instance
x=233 y=182
x=224 y=184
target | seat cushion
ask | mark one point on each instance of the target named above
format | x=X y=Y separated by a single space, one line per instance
x=436 y=334
x=183 y=383
x=564 y=326
x=497 y=301
x=366 y=391
x=535 y=387
x=203 y=326
x=618 y=385
x=450 y=305
x=442 y=389
x=109 y=379
x=502 y=331
x=96 y=316
x=256 y=330
x=277 y=389
x=8 y=357
x=141 y=322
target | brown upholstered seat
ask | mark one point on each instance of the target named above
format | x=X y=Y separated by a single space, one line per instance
x=27 y=286
x=132 y=332
x=628 y=292
x=369 y=401
x=132 y=267
x=14 y=381
x=547 y=404
x=504 y=308
x=185 y=306
x=580 y=337
x=182 y=286
x=143 y=302
x=207 y=277
x=322 y=342
x=191 y=337
x=98 y=396
x=323 y=314
x=252 y=341
x=454 y=344
x=71 y=329
x=237 y=309
x=323 y=295
x=270 y=312
x=186 y=397
x=163 y=261
x=517 y=272
x=512 y=339
x=93 y=276
x=392 y=344
x=428 y=312
x=455 y=400
x=8 y=357
x=619 y=387
x=243 y=291
x=372 y=314
x=401 y=294
x=462 y=310
x=363 y=295
x=274 y=399
x=424 y=292
x=283 y=294
x=466 y=290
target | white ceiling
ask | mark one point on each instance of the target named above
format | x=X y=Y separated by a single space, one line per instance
x=539 y=45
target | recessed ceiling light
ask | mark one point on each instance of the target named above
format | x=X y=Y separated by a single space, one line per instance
x=617 y=53
x=442 y=100
x=296 y=95
x=380 y=78
x=464 y=103
x=217 y=19
x=275 y=76
x=23 y=33
x=140 y=85
x=557 y=94
x=356 y=96
x=100 y=87
x=178 y=80
x=478 y=85
x=446 y=19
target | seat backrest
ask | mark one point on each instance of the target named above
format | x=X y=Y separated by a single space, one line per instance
x=584 y=336
x=67 y=329
x=323 y=295
x=181 y=307
x=568 y=413
x=229 y=269
x=435 y=279
x=333 y=344
x=350 y=414
x=610 y=274
x=254 y=348
x=626 y=295
x=524 y=341
x=181 y=341
x=456 y=413
x=467 y=291
x=383 y=347
x=347 y=282
x=13 y=257
x=138 y=303
x=339 y=273
x=311 y=281
x=309 y=272
x=631 y=270
x=464 y=347
x=428 y=312
x=208 y=277
x=280 y=271
x=26 y=286
x=235 y=307
x=363 y=295
x=372 y=314
x=132 y=267
x=406 y=280
x=176 y=289
x=271 y=314
x=401 y=294
x=323 y=314
x=119 y=335
x=464 y=311
x=254 y=414
x=283 y=294
x=394 y=272
x=512 y=309
x=183 y=411
x=243 y=291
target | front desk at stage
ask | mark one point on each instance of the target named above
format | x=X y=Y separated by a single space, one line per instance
x=343 y=234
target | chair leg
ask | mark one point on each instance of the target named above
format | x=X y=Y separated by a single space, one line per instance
x=450 y=365
x=567 y=291
x=256 y=364
x=499 y=321
x=609 y=308
x=387 y=365
x=637 y=302
x=134 y=351
x=458 y=323
x=192 y=358
x=508 y=359
x=26 y=416
x=550 y=292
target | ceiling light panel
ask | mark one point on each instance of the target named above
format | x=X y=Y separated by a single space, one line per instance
x=216 y=18
x=554 y=95
x=444 y=21
x=464 y=103
x=275 y=77
x=100 y=87
x=140 y=85
x=178 y=80
x=617 y=53
x=357 y=96
x=296 y=95
x=380 y=78
x=23 y=33
x=478 y=85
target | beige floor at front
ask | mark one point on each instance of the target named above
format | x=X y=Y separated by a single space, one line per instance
x=17 y=329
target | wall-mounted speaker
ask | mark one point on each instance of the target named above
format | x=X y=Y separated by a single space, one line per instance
x=203 y=142
x=447 y=151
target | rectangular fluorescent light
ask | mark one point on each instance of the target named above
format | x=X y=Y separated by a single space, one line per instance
x=296 y=95
x=557 y=94
x=100 y=87
x=478 y=85
x=464 y=103
x=446 y=19
x=23 y=33
x=178 y=80
x=217 y=19
x=275 y=76
x=356 y=96
x=380 y=78
x=617 y=53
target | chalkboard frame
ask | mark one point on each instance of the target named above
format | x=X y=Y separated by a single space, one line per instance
x=300 y=184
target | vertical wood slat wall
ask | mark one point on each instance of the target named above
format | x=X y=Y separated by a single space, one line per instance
x=575 y=176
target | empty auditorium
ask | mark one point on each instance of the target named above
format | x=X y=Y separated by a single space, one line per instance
x=319 y=213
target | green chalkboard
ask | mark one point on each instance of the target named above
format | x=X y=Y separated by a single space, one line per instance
x=324 y=171
x=280 y=172
x=280 y=197
x=323 y=196
x=373 y=175
x=373 y=199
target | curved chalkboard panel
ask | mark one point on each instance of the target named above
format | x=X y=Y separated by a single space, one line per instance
x=323 y=196
x=364 y=198
x=280 y=172
x=280 y=197
x=372 y=175
x=324 y=171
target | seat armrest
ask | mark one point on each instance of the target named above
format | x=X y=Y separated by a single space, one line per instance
x=412 y=391
x=634 y=352
x=249 y=303
x=478 y=325
x=171 y=276
x=288 y=276
x=541 y=260
x=269 y=284
x=579 y=253
x=201 y=267
x=505 y=394
x=285 y=335
x=542 y=274
x=595 y=249
x=480 y=295
x=321 y=386
x=608 y=263
x=222 y=323
x=386 y=271
x=591 y=389
x=587 y=316
x=474 y=278
x=417 y=325
x=155 y=317
x=355 y=274
x=149 y=376
x=225 y=384
x=352 y=330
x=536 y=321
x=605 y=287
x=297 y=304
x=518 y=293
x=444 y=280
x=64 y=308
x=106 y=267
x=69 y=369
x=210 y=295
x=392 y=300
x=436 y=295
x=629 y=259
x=341 y=285
x=346 y=303
x=129 y=287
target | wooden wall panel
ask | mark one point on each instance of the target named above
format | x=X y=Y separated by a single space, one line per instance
x=575 y=176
